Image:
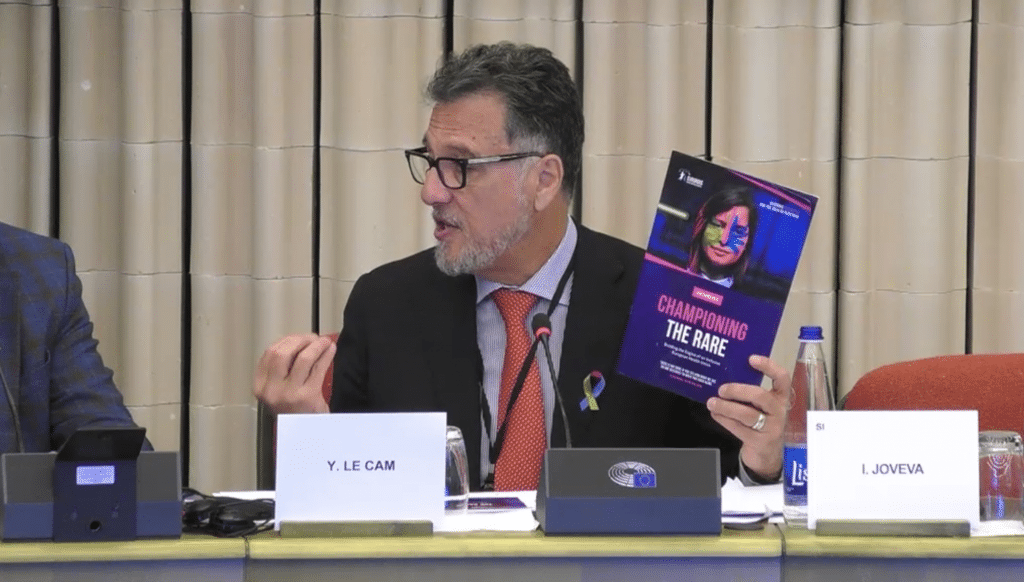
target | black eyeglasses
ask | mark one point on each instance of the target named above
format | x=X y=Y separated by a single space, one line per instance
x=452 y=171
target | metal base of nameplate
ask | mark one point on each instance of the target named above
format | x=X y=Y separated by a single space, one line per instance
x=630 y=491
x=893 y=527
x=355 y=529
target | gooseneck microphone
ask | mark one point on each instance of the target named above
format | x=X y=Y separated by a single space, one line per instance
x=541 y=325
x=14 y=412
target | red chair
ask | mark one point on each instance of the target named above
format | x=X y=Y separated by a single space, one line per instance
x=992 y=384
x=265 y=433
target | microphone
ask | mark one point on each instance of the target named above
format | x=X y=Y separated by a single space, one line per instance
x=14 y=412
x=541 y=325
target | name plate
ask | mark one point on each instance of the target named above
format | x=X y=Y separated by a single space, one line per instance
x=906 y=465
x=360 y=467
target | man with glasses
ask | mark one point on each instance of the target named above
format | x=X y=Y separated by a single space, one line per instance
x=448 y=329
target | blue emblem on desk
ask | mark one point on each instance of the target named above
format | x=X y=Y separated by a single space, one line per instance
x=633 y=474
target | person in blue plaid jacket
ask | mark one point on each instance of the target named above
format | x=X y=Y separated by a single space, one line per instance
x=55 y=378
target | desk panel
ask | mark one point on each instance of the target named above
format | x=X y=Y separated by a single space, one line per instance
x=912 y=559
x=804 y=569
x=733 y=569
x=120 y=571
x=739 y=556
x=199 y=558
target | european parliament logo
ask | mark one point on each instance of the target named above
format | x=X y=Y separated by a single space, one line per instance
x=633 y=474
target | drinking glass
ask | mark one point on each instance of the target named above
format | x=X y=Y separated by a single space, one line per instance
x=1001 y=462
x=456 y=473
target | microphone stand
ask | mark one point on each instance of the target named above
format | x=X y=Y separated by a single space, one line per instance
x=541 y=325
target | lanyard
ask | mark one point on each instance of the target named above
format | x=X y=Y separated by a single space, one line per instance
x=498 y=440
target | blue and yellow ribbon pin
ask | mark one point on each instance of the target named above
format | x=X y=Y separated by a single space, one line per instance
x=593 y=385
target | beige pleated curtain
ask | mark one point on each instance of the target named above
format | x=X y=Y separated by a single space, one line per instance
x=225 y=170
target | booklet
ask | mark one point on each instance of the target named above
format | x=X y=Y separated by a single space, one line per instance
x=717 y=272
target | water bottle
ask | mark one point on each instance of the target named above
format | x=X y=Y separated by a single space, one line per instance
x=811 y=391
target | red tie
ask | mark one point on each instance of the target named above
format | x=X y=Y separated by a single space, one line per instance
x=518 y=465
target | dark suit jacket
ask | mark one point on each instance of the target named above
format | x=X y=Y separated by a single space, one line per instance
x=409 y=344
x=47 y=353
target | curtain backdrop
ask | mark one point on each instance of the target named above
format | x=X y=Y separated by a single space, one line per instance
x=225 y=170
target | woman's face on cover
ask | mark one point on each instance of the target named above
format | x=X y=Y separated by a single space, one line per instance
x=726 y=236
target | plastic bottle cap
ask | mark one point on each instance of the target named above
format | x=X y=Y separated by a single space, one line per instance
x=811 y=333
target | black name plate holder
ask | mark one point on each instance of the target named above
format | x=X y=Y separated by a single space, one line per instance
x=630 y=491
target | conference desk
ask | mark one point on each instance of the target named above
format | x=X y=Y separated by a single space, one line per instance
x=735 y=556
x=774 y=553
x=809 y=557
x=191 y=558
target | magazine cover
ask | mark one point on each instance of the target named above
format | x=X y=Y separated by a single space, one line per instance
x=719 y=265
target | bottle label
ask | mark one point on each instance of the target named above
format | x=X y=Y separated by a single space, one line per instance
x=795 y=470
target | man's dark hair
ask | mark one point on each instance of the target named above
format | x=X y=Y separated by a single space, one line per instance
x=541 y=100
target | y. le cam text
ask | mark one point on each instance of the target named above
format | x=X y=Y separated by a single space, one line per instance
x=356 y=465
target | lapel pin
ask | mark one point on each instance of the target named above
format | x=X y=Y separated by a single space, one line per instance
x=593 y=385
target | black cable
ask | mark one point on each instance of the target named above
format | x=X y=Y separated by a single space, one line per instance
x=317 y=179
x=225 y=517
x=577 y=194
x=972 y=181
x=708 y=78
x=837 y=282
x=448 y=41
x=185 y=317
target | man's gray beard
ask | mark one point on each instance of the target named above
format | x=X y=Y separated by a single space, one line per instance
x=476 y=256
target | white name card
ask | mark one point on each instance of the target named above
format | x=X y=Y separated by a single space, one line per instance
x=360 y=467
x=892 y=465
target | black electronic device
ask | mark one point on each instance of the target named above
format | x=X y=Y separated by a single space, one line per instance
x=630 y=491
x=99 y=486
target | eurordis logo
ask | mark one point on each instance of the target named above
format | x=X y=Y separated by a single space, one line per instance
x=633 y=474
x=685 y=176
